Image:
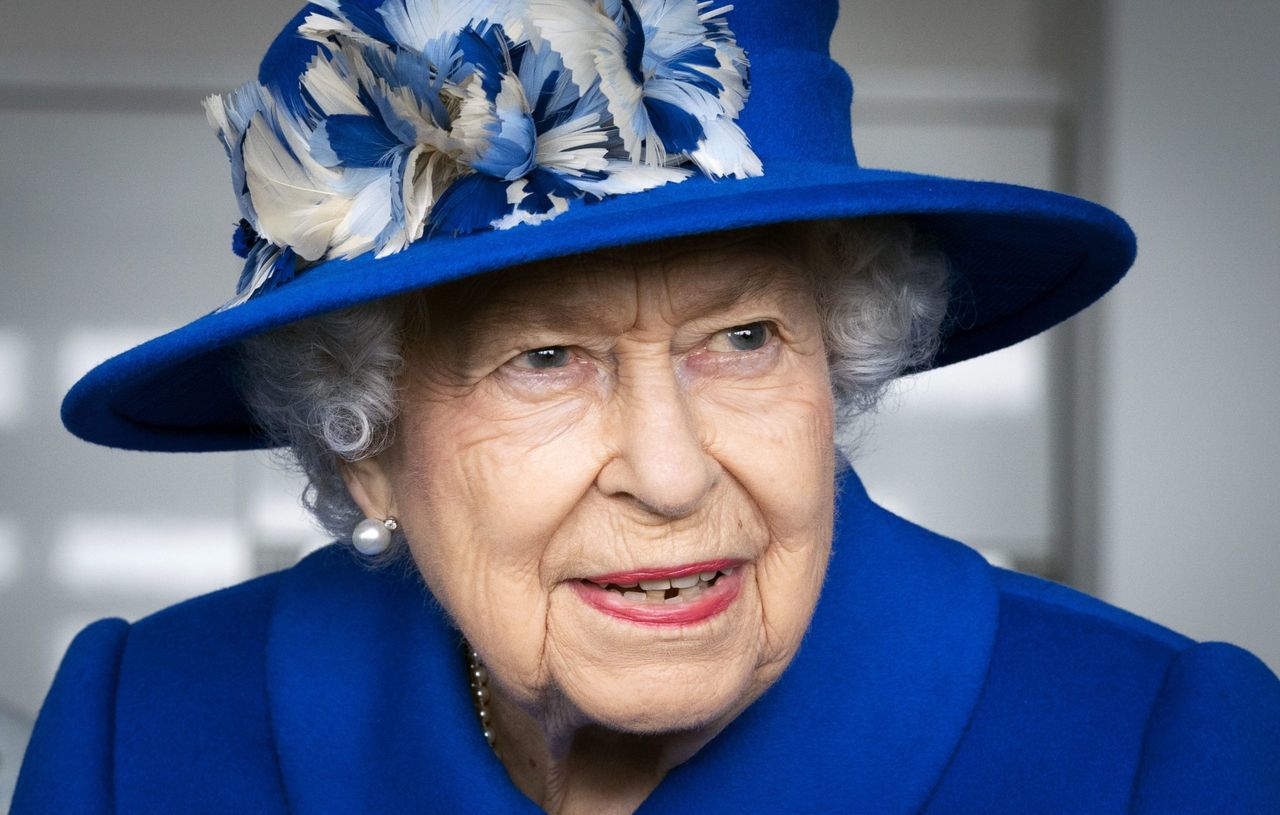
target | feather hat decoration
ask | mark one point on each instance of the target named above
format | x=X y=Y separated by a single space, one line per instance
x=427 y=117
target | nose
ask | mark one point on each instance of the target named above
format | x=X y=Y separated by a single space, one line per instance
x=660 y=460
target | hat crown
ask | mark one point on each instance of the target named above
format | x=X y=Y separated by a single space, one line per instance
x=802 y=25
x=801 y=99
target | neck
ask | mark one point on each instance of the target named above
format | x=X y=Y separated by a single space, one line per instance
x=568 y=765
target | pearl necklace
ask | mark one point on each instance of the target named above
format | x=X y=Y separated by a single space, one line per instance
x=478 y=675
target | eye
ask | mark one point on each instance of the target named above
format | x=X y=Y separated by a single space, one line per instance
x=542 y=359
x=750 y=337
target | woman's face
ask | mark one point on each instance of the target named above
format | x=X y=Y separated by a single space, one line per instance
x=651 y=414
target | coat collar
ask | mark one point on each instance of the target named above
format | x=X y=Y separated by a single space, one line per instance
x=371 y=712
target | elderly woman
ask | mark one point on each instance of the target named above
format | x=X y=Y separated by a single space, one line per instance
x=561 y=315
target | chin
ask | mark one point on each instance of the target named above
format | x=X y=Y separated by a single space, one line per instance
x=663 y=698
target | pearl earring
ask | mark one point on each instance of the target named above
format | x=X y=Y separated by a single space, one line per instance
x=371 y=537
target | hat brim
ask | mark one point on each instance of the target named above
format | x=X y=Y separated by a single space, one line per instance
x=1022 y=260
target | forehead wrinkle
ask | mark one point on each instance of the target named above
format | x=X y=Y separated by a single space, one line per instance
x=697 y=281
x=763 y=260
x=598 y=314
x=754 y=279
x=570 y=308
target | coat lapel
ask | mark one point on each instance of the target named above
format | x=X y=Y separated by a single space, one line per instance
x=371 y=712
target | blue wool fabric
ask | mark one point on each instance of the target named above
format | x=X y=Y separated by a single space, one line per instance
x=928 y=682
x=1021 y=259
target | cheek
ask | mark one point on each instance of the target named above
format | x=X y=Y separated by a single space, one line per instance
x=776 y=438
x=481 y=494
x=778 y=443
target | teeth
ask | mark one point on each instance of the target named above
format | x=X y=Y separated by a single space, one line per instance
x=673 y=590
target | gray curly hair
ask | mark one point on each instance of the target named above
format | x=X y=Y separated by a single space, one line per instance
x=324 y=389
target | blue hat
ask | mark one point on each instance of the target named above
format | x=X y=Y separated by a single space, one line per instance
x=390 y=145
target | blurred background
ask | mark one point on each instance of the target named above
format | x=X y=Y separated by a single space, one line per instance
x=1133 y=453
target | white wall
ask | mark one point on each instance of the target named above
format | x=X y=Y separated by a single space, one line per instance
x=1191 y=385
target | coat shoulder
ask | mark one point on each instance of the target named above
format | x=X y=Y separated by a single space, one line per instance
x=1213 y=737
x=143 y=715
x=67 y=766
x=192 y=690
x=1088 y=707
x=1026 y=596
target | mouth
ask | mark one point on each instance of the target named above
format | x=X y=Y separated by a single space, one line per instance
x=683 y=595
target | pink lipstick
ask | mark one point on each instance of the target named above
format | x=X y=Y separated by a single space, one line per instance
x=681 y=595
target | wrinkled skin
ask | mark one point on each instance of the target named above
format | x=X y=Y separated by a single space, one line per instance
x=654 y=440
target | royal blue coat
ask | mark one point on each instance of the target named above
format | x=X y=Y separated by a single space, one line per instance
x=928 y=682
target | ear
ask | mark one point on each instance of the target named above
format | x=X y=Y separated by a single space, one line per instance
x=370 y=486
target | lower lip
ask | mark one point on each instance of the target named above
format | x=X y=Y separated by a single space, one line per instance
x=711 y=602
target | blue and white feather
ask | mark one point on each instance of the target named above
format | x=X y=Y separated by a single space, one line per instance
x=423 y=117
x=694 y=78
